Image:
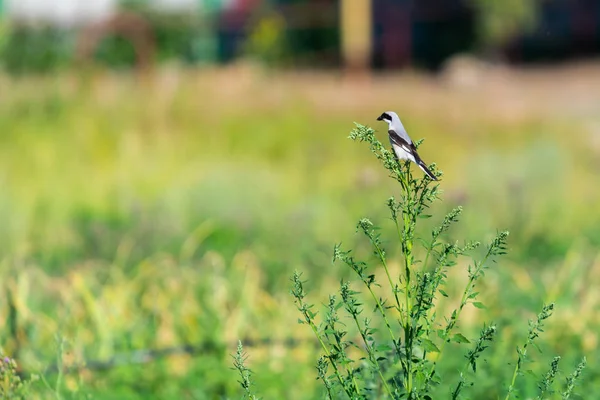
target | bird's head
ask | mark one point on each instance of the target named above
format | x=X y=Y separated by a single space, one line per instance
x=388 y=117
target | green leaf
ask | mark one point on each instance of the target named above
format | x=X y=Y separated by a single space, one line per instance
x=429 y=346
x=443 y=293
x=479 y=304
x=531 y=373
x=459 y=338
x=382 y=348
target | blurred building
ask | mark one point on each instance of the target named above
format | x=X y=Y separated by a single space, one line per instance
x=565 y=29
x=424 y=32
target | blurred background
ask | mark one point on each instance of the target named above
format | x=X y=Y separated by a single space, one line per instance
x=165 y=165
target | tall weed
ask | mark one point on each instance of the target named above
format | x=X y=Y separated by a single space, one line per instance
x=383 y=337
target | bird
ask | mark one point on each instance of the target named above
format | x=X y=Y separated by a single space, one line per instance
x=403 y=147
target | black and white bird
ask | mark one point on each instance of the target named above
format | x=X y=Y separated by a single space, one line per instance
x=401 y=143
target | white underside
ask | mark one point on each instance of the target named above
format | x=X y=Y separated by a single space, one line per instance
x=402 y=155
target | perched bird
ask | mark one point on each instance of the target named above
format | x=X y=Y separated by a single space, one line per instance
x=401 y=143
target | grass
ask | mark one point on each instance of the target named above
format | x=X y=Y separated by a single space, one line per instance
x=158 y=213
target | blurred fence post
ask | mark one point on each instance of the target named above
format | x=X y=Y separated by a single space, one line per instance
x=356 y=22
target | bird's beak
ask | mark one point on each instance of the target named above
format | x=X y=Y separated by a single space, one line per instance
x=380 y=118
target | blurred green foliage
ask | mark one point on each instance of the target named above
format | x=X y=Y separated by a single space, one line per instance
x=42 y=49
x=267 y=40
x=500 y=20
x=45 y=49
x=147 y=216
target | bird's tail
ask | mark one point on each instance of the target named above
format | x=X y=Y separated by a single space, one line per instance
x=422 y=165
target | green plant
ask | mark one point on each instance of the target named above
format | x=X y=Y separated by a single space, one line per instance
x=571 y=379
x=545 y=385
x=535 y=328
x=388 y=353
x=12 y=386
x=239 y=363
x=41 y=49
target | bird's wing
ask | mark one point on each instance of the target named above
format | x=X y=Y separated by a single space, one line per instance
x=399 y=141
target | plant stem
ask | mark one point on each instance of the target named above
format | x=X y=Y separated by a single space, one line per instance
x=534 y=329
x=371 y=354
x=303 y=309
x=455 y=316
x=393 y=287
x=387 y=323
x=406 y=241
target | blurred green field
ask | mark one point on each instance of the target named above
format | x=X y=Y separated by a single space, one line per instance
x=171 y=209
